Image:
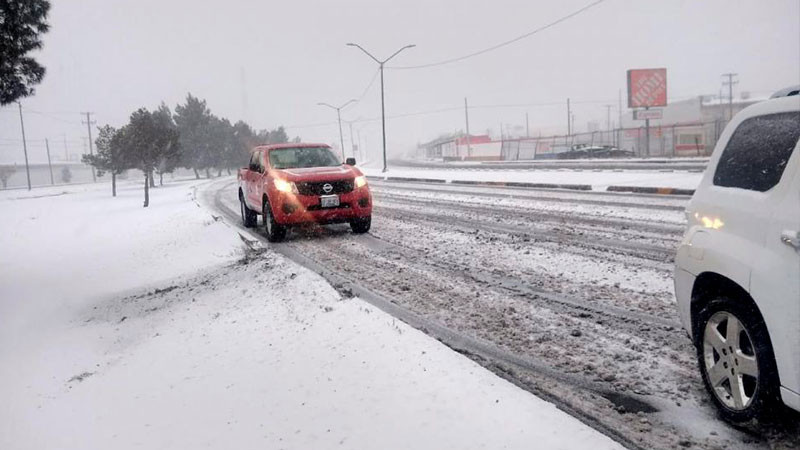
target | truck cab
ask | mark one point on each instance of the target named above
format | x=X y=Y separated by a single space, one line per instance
x=298 y=183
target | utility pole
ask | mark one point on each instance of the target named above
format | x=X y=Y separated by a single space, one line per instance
x=383 y=108
x=466 y=116
x=608 y=117
x=619 y=124
x=353 y=145
x=339 y=116
x=49 y=165
x=569 y=120
x=89 y=122
x=527 y=126
x=24 y=146
x=730 y=84
x=360 y=147
x=647 y=134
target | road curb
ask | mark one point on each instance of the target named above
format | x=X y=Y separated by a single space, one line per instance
x=574 y=187
x=651 y=190
x=410 y=179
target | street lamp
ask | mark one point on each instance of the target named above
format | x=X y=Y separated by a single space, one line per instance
x=383 y=110
x=339 y=115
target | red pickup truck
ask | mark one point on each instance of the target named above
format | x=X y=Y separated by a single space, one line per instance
x=294 y=184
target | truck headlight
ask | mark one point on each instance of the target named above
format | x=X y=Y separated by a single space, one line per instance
x=361 y=181
x=287 y=187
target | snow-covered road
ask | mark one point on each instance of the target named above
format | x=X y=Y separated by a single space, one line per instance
x=579 y=283
x=123 y=327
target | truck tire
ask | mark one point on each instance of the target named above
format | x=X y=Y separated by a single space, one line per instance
x=249 y=217
x=738 y=367
x=275 y=231
x=361 y=225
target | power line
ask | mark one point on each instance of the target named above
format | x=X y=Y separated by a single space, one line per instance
x=502 y=44
x=371 y=82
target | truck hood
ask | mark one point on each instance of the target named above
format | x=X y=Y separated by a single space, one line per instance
x=319 y=173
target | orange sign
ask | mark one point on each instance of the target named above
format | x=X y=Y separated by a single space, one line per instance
x=647 y=87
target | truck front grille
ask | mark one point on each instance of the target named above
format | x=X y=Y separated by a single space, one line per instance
x=317 y=188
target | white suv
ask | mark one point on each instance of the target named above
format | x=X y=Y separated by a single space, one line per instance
x=737 y=270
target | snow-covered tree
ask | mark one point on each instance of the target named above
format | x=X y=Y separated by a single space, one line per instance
x=147 y=139
x=193 y=120
x=109 y=156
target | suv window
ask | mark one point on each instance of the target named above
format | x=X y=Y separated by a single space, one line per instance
x=255 y=161
x=758 y=151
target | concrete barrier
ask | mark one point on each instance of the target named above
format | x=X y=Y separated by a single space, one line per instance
x=651 y=190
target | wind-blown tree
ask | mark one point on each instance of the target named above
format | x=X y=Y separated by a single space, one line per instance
x=276 y=136
x=171 y=159
x=231 y=148
x=243 y=139
x=110 y=156
x=193 y=120
x=22 y=22
x=219 y=141
x=5 y=174
x=66 y=174
x=147 y=140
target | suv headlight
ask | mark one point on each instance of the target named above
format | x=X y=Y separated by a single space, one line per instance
x=360 y=181
x=285 y=186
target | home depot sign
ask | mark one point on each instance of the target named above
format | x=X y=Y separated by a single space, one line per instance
x=647 y=88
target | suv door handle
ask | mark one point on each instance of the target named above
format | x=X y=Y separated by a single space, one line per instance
x=791 y=238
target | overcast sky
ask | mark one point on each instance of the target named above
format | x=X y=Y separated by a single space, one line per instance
x=270 y=63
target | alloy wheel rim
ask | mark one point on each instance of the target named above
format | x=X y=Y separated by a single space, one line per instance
x=730 y=361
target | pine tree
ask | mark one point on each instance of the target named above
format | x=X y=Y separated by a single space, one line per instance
x=192 y=120
x=110 y=156
x=171 y=158
x=147 y=140
x=22 y=22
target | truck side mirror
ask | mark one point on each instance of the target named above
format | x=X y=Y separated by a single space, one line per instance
x=350 y=161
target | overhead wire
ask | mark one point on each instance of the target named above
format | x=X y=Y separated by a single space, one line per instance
x=502 y=44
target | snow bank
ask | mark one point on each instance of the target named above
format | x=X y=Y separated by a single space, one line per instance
x=219 y=351
x=599 y=181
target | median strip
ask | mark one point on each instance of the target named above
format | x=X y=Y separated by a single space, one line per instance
x=651 y=190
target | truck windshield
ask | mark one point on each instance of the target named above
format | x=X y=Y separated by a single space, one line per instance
x=299 y=157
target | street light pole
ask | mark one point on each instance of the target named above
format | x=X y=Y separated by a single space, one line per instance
x=383 y=101
x=339 y=116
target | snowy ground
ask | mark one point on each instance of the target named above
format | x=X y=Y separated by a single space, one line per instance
x=125 y=327
x=579 y=283
x=598 y=180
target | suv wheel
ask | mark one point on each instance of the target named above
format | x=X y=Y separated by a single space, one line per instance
x=736 y=359
x=275 y=231
x=249 y=217
x=361 y=225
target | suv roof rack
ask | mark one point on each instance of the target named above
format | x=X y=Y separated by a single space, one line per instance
x=787 y=92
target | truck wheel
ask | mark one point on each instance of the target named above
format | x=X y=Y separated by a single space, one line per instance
x=249 y=217
x=275 y=231
x=361 y=225
x=736 y=359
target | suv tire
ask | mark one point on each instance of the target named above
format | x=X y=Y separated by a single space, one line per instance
x=744 y=363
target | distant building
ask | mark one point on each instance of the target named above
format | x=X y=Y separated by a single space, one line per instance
x=687 y=127
x=462 y=148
